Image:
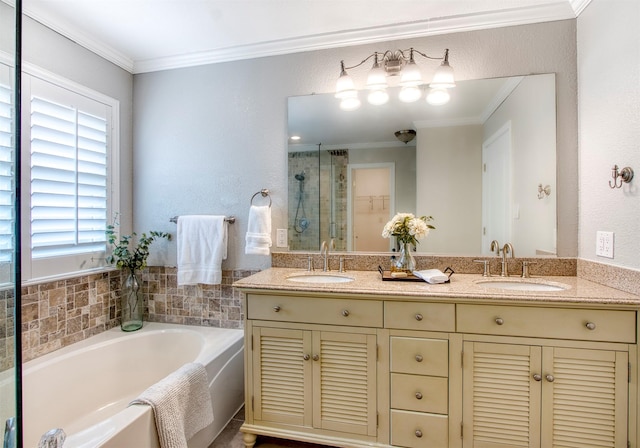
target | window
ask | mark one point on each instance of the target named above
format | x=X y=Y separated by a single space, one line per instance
x=6 y=175
x=68 y=154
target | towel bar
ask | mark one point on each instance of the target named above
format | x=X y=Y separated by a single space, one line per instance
x=265 y=194
x=229 y=219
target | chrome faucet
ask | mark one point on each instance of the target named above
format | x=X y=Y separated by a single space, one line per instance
x=506 y=249
x=324 y=251
x=495 y=247
x=53 y=438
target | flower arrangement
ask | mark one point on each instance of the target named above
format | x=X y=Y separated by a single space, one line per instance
x=407 y=228
x=132 y=258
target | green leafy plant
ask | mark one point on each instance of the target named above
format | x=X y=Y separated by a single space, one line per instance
x=125 y=253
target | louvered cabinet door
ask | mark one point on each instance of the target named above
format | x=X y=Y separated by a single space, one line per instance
x=282 y=382
x=584 y=398
x=344 y=382
x=501 y=398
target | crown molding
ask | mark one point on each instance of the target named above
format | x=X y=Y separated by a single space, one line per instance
x=422 y=28
x=579 y=6
x=90 y=43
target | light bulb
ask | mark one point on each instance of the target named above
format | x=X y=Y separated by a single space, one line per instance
x=438 y=97
x=409 y=94
x=378 y=97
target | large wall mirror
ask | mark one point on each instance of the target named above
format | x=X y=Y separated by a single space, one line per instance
x=483 y=166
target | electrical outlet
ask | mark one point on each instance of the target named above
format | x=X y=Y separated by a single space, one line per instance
x=604 y=244
x=281 y=237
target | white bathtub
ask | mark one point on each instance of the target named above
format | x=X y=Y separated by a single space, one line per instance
x=85 y=388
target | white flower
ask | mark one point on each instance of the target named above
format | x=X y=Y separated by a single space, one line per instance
x=407 y=228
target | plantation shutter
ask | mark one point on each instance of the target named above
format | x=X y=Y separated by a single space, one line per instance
x=68 y=175
x=6 y=174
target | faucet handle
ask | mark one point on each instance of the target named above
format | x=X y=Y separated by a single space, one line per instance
x=342 y=263
x=525 y=267
x=310 y=263
x=485 y=272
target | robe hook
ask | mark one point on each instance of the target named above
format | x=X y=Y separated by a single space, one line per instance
x=625 y=175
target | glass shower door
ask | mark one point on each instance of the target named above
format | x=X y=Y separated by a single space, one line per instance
x=10 y=346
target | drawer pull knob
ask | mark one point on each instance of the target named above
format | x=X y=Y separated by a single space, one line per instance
x=418 y=317
x=277 y=308
x=418 y=433
x=419 y=395
x=306 y=357
x=550 y=378
x=537 y=377
x=590 y=325
x=316 y=357
x=419 y=358
x=345 y=313
x=499 y=320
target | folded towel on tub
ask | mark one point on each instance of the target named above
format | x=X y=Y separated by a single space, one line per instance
x=181 y=405
x=258 y=238
x=202 y=245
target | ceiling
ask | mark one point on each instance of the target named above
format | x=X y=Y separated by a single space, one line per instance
x=149 y=35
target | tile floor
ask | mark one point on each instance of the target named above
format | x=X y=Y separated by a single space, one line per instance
x=231 y=437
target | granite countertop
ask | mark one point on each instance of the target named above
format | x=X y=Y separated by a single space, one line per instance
x=461 y=286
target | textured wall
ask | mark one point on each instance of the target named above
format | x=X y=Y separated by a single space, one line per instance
x=207 y=138
x=609 y=111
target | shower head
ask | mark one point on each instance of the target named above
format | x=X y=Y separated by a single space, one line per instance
x=300 y=176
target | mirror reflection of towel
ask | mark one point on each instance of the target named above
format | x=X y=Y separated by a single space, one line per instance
x=202 y=245
x=258 y=238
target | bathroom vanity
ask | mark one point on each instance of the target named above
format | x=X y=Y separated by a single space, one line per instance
x=367 y=363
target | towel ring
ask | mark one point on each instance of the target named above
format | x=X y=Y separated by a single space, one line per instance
x=264 y=192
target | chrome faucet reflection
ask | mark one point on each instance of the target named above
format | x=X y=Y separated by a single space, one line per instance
x=53 y=438
x=506 y=249
x=324 y=251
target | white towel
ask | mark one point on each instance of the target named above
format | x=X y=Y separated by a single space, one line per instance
x=181 y=405
x=202 y=245
x=431 y=275
x=258 y=239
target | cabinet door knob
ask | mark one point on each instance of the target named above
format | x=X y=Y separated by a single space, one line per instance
x=306 y=357
x=277 y=308
x=550 y=378
x=590 y=325
x=316 y=357
x=419 y=358
x=418 y=317
x=419 y=395
x=537 y=377
x=499 y=320
x=345 y=313
x=418 y=433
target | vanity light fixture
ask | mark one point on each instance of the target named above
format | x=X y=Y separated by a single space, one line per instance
x=391 y=64
x=619 y=176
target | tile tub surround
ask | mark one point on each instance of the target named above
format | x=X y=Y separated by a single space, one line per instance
x=58 y=313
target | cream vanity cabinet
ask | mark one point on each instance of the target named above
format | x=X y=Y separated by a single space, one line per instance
x=311 y=369
x=545 y=377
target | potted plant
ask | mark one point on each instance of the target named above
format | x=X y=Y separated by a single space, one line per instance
x=131 y=257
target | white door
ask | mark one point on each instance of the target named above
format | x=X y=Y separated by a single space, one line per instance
x=496 y=188
x=371 y=192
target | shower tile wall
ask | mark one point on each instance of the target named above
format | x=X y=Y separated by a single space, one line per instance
x=59 y=313
x=309 y=238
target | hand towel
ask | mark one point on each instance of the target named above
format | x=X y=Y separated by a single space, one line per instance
x=181 y=405
x=258 y=239
x=202 y=245
x=432 y=275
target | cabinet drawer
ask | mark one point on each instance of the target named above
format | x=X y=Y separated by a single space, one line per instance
x=419 y=393
x=416 y=430
x=557 y=323
x=420 y=316
x=358 y=313
x=420 y=356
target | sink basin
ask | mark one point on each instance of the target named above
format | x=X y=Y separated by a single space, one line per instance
x=319 y=278
x=523 y=285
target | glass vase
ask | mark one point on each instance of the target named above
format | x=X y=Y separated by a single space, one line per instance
x=131 y=301
x=404 y=261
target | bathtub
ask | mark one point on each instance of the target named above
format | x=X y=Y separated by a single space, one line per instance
x=85 y=388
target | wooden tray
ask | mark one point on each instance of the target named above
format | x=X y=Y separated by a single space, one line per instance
x=386 y=276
